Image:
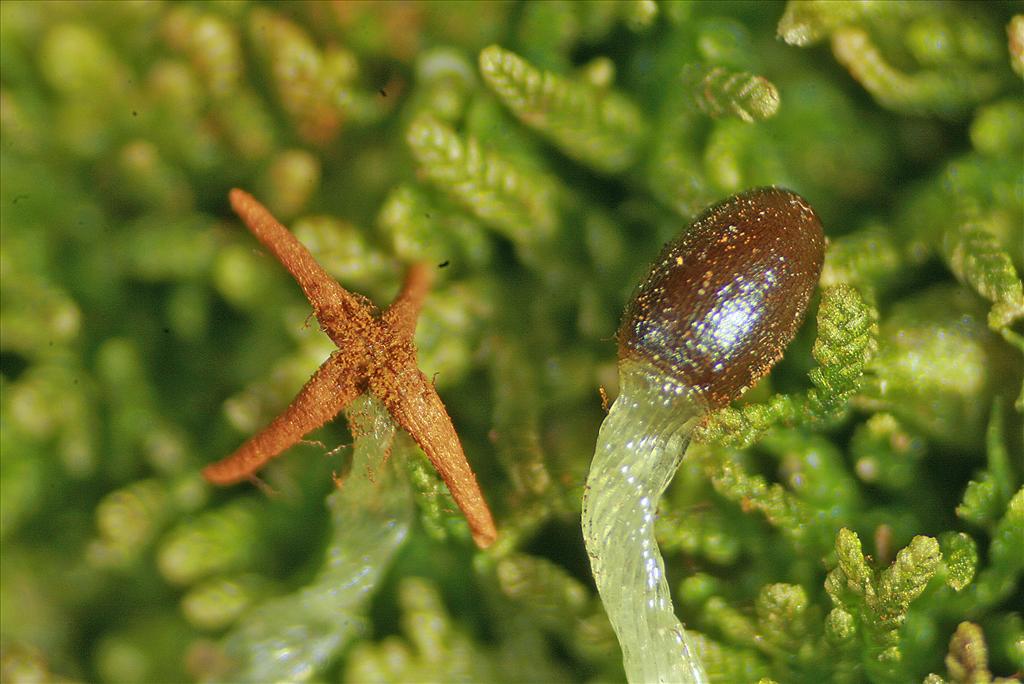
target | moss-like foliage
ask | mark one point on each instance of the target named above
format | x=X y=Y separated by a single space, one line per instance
x=857 y=517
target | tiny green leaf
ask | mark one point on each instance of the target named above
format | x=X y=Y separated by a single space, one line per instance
x=949 y=93
x=967 y=661
x=978 y=260
x=782 y=614
x=906 y=578
x=840 y=626
x=960 y=554
x=600 y=128
x=720 y=92
x=520 y=204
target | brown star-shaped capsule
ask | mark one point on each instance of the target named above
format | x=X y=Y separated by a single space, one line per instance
x=375 y=354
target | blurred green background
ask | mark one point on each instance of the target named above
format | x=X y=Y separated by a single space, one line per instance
x=144 y=334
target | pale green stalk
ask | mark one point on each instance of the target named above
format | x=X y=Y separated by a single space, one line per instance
x=639 y=448
x=293 y=637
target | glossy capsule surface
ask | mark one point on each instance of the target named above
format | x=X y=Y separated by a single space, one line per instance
x=723 y=301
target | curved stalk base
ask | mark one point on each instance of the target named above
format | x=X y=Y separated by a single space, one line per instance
x=639 y=448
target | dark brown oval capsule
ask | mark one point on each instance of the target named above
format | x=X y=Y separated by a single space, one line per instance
x=724 y=300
